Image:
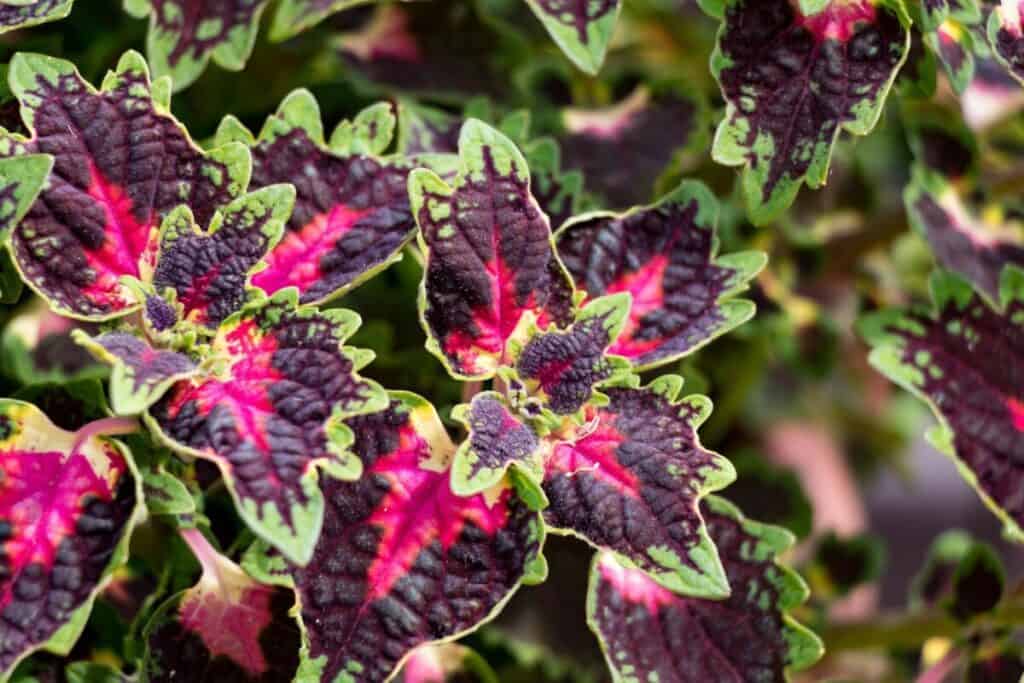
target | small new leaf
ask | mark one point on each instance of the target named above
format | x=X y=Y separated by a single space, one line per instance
x=496 y=440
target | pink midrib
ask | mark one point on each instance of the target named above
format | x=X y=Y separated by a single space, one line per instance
x=636 y=587
x=594 y=454
x=839 y=20
x=1016 y=409
x=647 y=286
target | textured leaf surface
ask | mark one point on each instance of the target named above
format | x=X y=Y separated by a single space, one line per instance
x=402 y=560
x=966 y=360
x=651 y=634
x=665 y=256
x=351 y=215
x=267 y=409
x=491 y=267
x=66 y=507
x=227 y=627
x=959 y=240
x=582 y=28
x=141 y=374
x=210 y=271
x=184 y=35
x=21 y=180
x=630 y=478
x=32 y=13
x=793 y=81
x=496 y=440
x=121 y=163
x=623 y=150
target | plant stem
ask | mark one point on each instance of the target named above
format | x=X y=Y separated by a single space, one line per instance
x=942 y=668
x=108 y=426
x=469 y=390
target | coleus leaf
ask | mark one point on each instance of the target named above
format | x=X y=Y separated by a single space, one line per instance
x=629 y=480
x=496 y=439
x=651 y=634
x=445 y=663
x=68 y=502
x=965 y=359
x=211 y=272
x=992 y=95
x=792 y=80
x=1006 y=34
x=934 y=12
x=228 y=627
x=623 y=150
x=963 y=576
x=295 y=16
x=17 y=15
x=491 y=268
x=121 y=163
x=841 y=564
x=665 y=256
x=582 y=29
x=141 y=374
x=21 y=179
x=38 y=348
x=184 y=35
x=351 y=216
x=558 y=192
x=942 y=142
x=267 y=408
x=402 y=560
x=954 y=45
x=959 y=240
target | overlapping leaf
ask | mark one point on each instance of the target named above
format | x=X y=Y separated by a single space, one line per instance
x=67 y=504
x=294 y=16
x=351 y=215
x=268 y=409
x=959 y=240
x=496 y=439
x=227 y=627
x=792 y=80
x=954 y=45
x=966 y=360
x=582 y=28
x=1006 y=34
x=651 y=634
x=665 y=256
x=121 y=163
x=491 y=268
x=402 y=560
x=629 y=479
x=963 y=576
x=447 y=663
x=16 y=15
x=184 y=35
x=624 y=149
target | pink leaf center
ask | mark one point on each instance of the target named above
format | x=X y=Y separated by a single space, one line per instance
x=594 y=454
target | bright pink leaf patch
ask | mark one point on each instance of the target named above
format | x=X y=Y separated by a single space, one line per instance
x=120 y=164
x=64 y=508
x=651 y=633
x=402 y=561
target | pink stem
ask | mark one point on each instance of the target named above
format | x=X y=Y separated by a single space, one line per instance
x=469 y=390
x=940 y=669
x=204 y=552
x=108 y=426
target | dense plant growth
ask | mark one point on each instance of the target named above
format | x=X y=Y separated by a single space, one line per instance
x=215 y=469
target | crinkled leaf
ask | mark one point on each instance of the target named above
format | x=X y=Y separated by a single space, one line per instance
x=959 y=240
x=121 y=163
x=211 y=272
x=351 y=216
x=491 y=268
x=624 y=149
x=227 y=627
x=402 y=560
x=446 y=663
x=665 y=256
x=141 y=374
x=21 y=179
x=32 y=13
x=966 y=359
x=629 y=480
x=793 y=81
x=67 y=505
x=651 y=634
x=961 y=575
x=267 y=408
x=582 y=28
x=560 y=369
x=1006 y=34
x=184 y=35
x=496 y=439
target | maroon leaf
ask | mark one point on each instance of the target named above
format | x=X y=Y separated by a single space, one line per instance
x=121 y=163
x=651 y=634
x=32 y=13
x=351 y=216
x=665 y=257
x=792 y=81
x=967 y=361
x=67 y=504
x=491 y=268
x=497 y=439
x=267 y=409
x=1006 y=33
x=227 y=627
x=402 y=560
x=629 y=480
